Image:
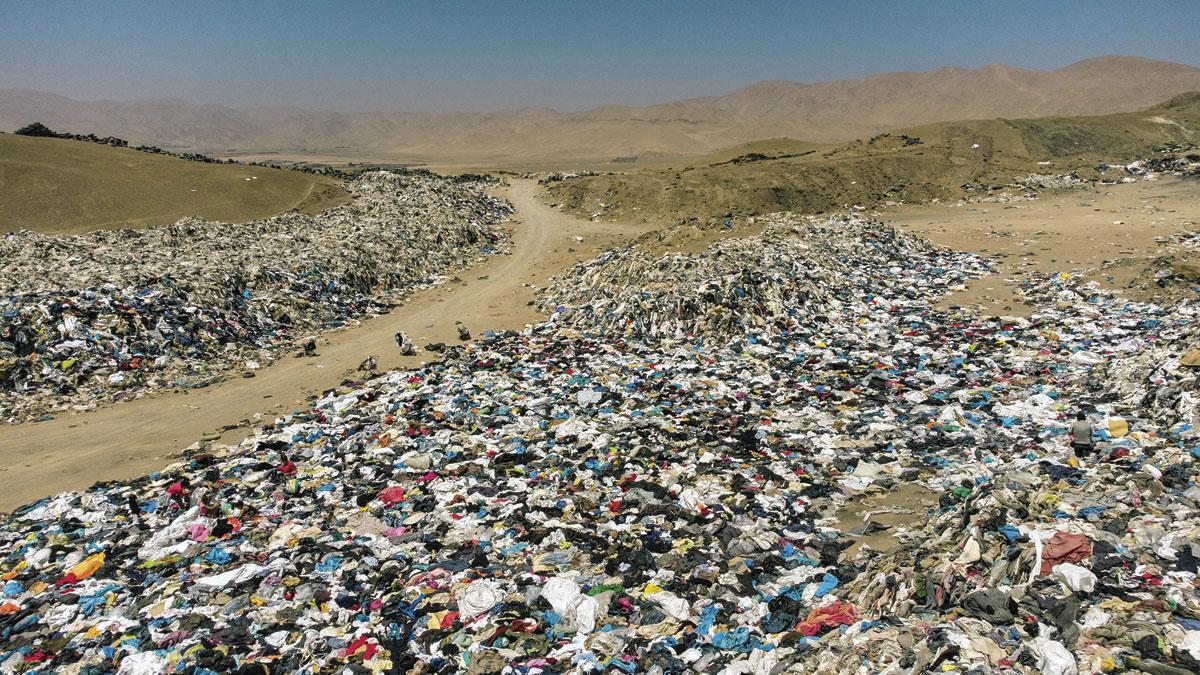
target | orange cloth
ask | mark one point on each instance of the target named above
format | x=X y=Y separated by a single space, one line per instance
x=82 y=570
x=836 y=613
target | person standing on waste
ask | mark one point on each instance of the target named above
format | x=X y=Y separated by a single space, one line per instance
x=1081 y=436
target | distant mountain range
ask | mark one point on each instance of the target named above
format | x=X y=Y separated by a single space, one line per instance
x=824 y=112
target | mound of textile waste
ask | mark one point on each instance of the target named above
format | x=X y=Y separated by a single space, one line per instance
x=113 y=314
x=555 y=503
x=797 y=268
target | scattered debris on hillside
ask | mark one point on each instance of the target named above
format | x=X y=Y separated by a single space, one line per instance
x=886 y=170
x=1171 y=277
x=556 y=176
x=1040 y=181
x=114 y=314
x=1103 y=174
x=40 y=130
x=1176 y=165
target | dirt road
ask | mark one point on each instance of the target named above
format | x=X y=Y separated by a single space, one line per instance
x=136 y=437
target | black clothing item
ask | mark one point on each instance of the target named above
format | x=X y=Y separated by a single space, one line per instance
x=23 y=341
x=993 y=606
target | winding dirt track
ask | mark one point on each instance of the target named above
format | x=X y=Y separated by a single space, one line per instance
x=136 y=437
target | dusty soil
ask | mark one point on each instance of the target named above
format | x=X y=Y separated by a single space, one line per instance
x=1110 y=233
x=65 y=186
x=894 y=510
x=132 y=438
x=944 y=160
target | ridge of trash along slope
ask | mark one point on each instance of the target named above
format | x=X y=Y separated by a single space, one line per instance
x=560 y=503
x=797 y=268
x=114 y=314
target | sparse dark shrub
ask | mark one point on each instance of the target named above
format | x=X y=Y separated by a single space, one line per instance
x=36 y=129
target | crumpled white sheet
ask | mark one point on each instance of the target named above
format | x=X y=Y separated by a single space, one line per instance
x=233 y=576
x=673 y=605
x=570 y=603
x=1075 y=577
x=479 y=597
x=1053 y=658
x=143 y=663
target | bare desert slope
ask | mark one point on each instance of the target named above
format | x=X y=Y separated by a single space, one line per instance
x=824 y=112
x=58 y=185
x=906 y=165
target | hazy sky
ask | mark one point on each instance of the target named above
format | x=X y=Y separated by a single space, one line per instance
x=446 y=55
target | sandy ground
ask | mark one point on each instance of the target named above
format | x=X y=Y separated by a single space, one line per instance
x=894 y=510
x=1076 y=230
x=129 y=439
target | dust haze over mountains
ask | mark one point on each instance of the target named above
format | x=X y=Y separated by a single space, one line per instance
x=824 y=112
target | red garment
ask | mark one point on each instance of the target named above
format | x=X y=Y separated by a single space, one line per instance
x=67 y=580
x=176 y=489
x=391 y=495
x=368 y=650
x=837 y=613
x=1065 y=547
x=288 y=469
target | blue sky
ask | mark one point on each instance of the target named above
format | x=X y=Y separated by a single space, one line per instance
x=446 y=55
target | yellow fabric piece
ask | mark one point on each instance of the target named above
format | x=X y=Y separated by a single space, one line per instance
x=1117 y=427
x=1117 y=604
x=87 y=567
x=435 y=619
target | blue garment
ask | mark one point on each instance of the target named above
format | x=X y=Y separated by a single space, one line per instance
x=829 y=583
x=736 y=640
x=329 y=564
x=1010 y=532
x=708 y=616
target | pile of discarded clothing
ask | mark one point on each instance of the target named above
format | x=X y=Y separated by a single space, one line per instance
x=116 y=313
x=1172 y=164
x=554 y=502
x=558 y=176
x=798 y=268
x=1044 y=181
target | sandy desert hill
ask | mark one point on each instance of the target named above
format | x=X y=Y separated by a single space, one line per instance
x=826 y=112
x=65 y=186
x=785 y=174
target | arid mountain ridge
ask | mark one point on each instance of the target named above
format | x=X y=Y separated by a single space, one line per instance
x=821 y=112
